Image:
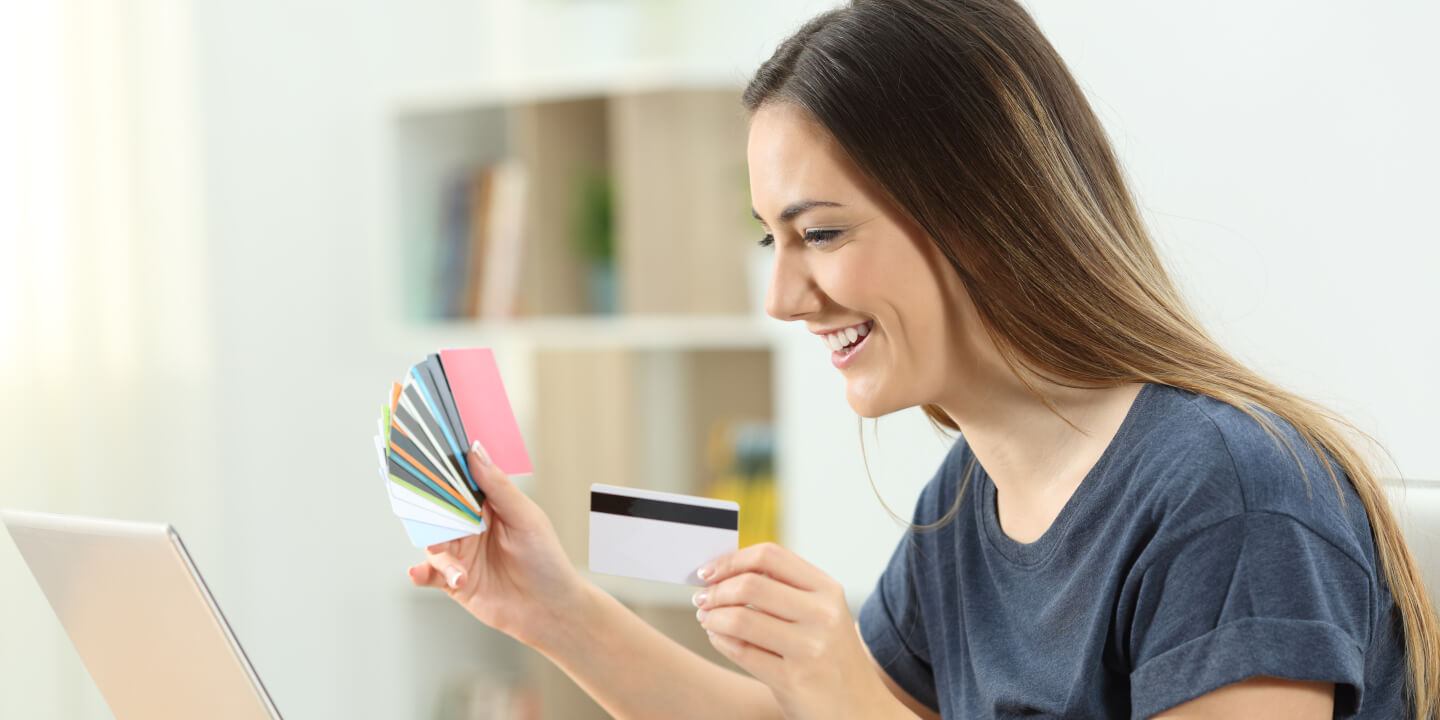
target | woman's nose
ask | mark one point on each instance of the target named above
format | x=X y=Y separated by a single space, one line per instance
x=792 y=293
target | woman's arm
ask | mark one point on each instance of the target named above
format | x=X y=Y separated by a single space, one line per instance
x=634 y=671
x=515 y=578
x=905 y=698
x=1260 y=697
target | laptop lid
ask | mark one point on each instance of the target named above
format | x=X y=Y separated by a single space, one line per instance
x=146 y=627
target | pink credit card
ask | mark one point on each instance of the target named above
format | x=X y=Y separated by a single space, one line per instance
x=484 y=409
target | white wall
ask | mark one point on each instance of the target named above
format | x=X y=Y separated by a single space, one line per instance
x=1285 y=155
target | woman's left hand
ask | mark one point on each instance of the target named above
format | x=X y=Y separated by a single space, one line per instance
x=786 y=623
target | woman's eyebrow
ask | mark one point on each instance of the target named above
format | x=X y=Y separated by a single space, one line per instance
x=795 y=209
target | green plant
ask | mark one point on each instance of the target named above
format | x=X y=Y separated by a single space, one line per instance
x=595 y=218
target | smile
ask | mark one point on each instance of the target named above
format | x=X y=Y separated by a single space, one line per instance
x=845 y=343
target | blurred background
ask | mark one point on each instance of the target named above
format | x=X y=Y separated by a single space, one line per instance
x=226 y=227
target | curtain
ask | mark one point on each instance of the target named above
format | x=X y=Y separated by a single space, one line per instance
x=105 y=366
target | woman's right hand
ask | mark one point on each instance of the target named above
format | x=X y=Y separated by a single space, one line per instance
x=513 y=577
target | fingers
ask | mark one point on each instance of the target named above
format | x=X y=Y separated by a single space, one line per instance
x=446 y=566
x=751 y=627
x=757 y=591
x=753 y=659
x=426 y=574
x=502 y=498
x=423 y=575
x=767 y=559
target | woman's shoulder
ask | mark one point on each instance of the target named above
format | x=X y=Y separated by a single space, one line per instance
x=1183 y=461
x=1180 y=443
x=1197 y=460
x=1262 y=454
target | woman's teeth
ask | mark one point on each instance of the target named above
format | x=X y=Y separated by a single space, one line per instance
x=840 y=339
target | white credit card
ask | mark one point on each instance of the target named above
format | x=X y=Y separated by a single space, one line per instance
x=657 y=535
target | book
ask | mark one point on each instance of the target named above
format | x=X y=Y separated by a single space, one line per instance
x=504 y=241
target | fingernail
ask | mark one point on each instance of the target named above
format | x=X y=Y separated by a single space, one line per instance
x=711 y=633
x=480 y=453
x=698 y=598
x=704 y=571
x=701 y=613
x=453 y=576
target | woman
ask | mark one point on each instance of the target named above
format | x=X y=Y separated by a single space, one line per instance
x=1133 y=524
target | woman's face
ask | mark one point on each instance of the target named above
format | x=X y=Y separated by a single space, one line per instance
x=860 y=275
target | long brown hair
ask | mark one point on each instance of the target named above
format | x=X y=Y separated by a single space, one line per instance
x=967 y=118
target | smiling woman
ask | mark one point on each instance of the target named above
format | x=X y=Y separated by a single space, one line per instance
x=955 y=157
x=844 y=259
x=1133 y=524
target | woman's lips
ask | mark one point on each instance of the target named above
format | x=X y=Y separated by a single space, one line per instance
x=845 y=356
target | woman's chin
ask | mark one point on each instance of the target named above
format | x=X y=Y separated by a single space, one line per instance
x=869 y=405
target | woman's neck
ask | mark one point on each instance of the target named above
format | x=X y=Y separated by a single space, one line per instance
x=1035 y=457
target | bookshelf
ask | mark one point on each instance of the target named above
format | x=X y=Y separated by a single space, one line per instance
x=674 y=158
x=631 y=396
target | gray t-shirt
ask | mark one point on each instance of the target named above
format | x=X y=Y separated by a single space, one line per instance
x=1192 y=556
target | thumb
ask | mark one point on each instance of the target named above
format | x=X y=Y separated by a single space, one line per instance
x=497 y=487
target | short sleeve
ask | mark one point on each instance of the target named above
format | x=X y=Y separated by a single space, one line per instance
x=1257 y=594
x=891 y=621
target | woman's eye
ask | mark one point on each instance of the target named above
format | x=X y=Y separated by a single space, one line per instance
x=820 y=237
x=814 y=237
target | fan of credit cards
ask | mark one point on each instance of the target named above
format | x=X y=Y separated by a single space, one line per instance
x=444 y=403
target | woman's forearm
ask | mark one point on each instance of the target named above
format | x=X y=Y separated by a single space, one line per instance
x=635 y=672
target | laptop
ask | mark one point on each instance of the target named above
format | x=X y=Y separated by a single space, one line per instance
x=145 y=625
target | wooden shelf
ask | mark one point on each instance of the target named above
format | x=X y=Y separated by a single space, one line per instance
x=670 y=149
x=640 y=398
